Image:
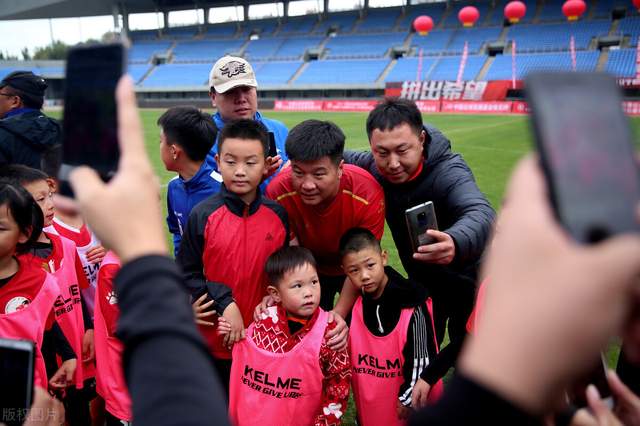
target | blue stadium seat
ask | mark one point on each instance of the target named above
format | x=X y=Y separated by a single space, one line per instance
x=476 y=37
x=264 y=27
x=294 y=47
x=447 y=67
x=226 y=30
x=176 y=75
x=622 y=63
x=204 y=50
x=363 y=46
x=379 y=20
x=143 y=51
x=407 y=69
x=143 y=35
x=263 y=48
x=434 y=42
x=299 y=25
x=344 y=21
x=180 y=33
x=604 y=8
x=342 y=72
x=630 y=27
x=501 y=67
x=552 y=11
x=550 y=37
x=275 y=73
x=137 y=71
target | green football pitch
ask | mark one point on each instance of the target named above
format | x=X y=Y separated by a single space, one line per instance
x=490 y=144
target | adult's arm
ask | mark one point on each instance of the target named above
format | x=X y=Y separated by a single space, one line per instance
x=169 y=372
x=362 y=159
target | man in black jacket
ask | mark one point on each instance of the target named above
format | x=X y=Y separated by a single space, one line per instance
x=25 y=132
x=414 y=164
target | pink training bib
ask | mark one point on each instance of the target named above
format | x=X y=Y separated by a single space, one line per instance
x=109 y=375
x=275 y=388
x=68 y=307
x=29 y=324
x=377 y=369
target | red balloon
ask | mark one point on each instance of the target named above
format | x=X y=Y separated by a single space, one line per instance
x=423 y=24
x=468 y=16
x=514 y=11
x=573 y=9
x=636 y=3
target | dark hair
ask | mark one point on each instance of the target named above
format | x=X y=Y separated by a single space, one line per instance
x=24 y=210
x=22 y=175
x=28 y=100
x=245 y=129
x=313 y=139
x=190 y=128
x=358 y=239
x=285 y=260
x=392 y=112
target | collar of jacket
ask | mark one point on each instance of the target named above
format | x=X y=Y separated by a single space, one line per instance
x=235 y=203
x=217 y=119
x=198 y=180
x=18 y=111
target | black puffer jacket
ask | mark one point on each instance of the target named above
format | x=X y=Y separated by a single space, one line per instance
x=461 y=209
x=25 y=137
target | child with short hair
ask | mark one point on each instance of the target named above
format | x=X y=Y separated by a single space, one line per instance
x=392 y=335
x=284 y=366
x=58 y=255
x=229 y=237
x=186 y=137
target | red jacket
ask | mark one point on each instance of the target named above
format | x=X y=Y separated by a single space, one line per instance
x=223 y=252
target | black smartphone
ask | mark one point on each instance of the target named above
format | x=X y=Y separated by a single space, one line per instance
x=596 y=376
x=90 y=125
x=17 y=363
x=586 y=152
x=273 y=150
x=420 y=218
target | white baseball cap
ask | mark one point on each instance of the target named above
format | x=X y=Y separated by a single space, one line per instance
x=229 y=72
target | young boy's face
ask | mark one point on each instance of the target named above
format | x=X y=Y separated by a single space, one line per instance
x=365 y=269
x=41 y=192
x=242 y=165
x=298 y=291
x=166 y=153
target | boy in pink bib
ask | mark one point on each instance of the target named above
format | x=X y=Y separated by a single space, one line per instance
x=392 y=336
x=283 y=372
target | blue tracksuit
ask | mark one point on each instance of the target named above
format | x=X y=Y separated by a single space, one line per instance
x=183 y=195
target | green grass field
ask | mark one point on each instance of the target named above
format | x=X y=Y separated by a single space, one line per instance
x=490 y=144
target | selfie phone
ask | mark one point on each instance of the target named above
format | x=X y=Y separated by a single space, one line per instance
x=586 y=152
x=90 y=124
x=596 y=376
x=419 y=219
x=273 y=150
x=17 y=363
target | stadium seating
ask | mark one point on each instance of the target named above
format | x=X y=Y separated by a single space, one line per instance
x=264 y=27
x=294 y=47
x=603 y=8
x=630 y=27
x=434 y=10
x=447 y=67
x=343 y=21
x=550 y=37
x=143 y=51
x=379 y=20
x=180 y=33
x=299 y=25
x=363 y=46
x=342 y=71
x=525 y=63
x=263 y=48
x=452 y=18
x=622 y=63
x=497 y=16
x=143 y=35
x=226 y=30
x=178 y=75
x=407 y=69
x=204 y=50
x=275 y=73
x=551 y=10
x=476 y=37
x=433 y=43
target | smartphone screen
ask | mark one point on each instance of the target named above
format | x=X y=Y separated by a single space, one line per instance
x=90 y=125
x=16 y=376
x=273 y=150
x=419 y=219
x=586 y=150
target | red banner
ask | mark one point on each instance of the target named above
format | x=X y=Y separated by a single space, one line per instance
x=364 y=106
x=298 y=105
x=520 y=107
x=631 y=107
x=476 y=107
x=428 y=106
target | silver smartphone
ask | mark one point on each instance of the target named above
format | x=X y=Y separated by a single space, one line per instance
x=419 y=219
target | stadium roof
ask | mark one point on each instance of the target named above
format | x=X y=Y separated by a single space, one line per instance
x=44 y=9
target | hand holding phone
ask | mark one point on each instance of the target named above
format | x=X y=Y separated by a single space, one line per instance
x=419 y=219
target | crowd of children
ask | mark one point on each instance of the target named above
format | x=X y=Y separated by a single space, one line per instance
x=295 y=361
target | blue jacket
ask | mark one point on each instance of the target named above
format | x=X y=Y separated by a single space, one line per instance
x=278 y=129
x=183 y=195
